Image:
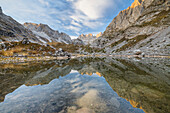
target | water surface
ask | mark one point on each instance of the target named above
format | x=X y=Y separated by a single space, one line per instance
x=88 y=85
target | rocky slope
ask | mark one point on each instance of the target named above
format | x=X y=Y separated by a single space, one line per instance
x=46 y=34
x=144 y=26
x=78 y=41
x=11 y=30
x=89 y=38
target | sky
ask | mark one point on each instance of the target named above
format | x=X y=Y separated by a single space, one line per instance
x=73 y=17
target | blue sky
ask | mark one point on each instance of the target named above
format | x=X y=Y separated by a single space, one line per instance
x=73 y=17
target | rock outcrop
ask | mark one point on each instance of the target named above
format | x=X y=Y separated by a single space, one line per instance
x=78 y=41
x=144 y=25
x=46 y=34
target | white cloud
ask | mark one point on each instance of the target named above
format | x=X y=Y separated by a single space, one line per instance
x=94 y=9
x=70 y=0
x=88 y=12
x=69 y=16
x=44 y=2
x=73 y=28
x=93 y=24
x=73 y=22
x=74 y=37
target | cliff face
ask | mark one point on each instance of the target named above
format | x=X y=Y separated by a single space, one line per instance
x=46 y=34
x=144 y=25
x=128 y=16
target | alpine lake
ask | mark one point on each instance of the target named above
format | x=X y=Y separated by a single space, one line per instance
x=86 y=85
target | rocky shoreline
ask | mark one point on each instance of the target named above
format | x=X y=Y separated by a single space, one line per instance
x=48 y=58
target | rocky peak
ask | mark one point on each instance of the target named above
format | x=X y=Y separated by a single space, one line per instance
x=89 y=35
x=39 y=27
x=82 y=35
x=1 y=11
x=89 y=38
x=47 y=33
x=136 y=3
x=99 y=35
x=27 y=24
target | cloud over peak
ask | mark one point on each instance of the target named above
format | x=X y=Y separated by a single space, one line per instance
x=73 y=17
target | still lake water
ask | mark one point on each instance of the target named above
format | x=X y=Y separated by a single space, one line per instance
x=86 y=85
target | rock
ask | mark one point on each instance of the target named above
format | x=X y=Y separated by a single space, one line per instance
x=137 y=52
x=2 y=46
x=1 y=11
x=78 y=42
x=62 y=53
x=143 y=54
x=60 y=49
x=25 y=41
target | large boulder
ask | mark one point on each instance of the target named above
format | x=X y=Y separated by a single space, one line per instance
x=62 y=53
x=25 y=41
x=137 y=52
x=2 y=46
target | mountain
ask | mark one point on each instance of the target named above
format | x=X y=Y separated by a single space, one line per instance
x=89 y=38
x=142 y=26
x=11 y=30
x=46 y=34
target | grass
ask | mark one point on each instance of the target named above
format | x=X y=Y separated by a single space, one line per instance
x=71 y=48
x=132 y=42
x=34 y=49
x=157 y=20
x=25 y=49
x=118 y=42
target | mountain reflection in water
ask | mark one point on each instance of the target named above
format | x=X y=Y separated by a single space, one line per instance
x=114 y=86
